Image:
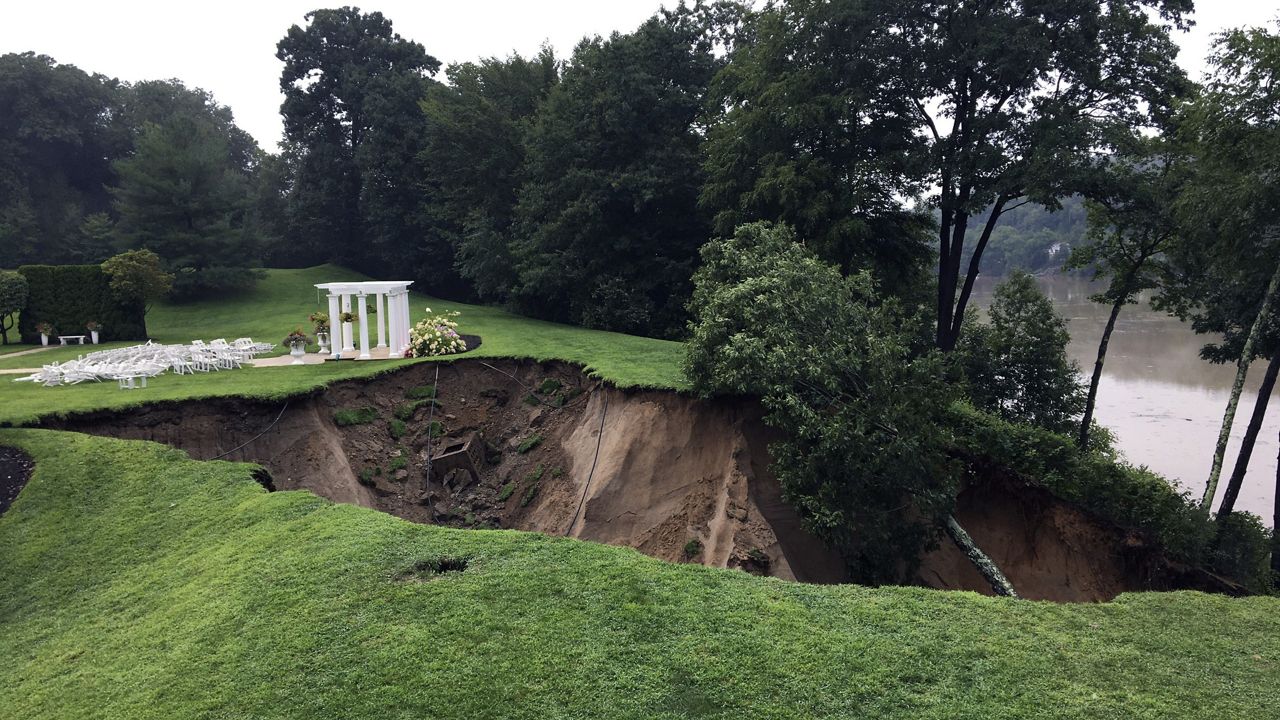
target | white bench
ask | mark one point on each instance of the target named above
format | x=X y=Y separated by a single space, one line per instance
x=78 y=338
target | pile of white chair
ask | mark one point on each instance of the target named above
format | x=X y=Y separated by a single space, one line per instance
x=131 y=366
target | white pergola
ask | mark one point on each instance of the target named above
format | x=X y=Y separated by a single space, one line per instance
x=392 y=315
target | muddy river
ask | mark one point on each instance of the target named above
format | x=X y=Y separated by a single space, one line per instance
x=1161 y=400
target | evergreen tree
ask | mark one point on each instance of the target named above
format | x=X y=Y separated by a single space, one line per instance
x=608 y=222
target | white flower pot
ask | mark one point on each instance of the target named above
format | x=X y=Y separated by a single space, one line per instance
x=297 y=350
x=93 y=335
x=322 y=339
x=44 y=339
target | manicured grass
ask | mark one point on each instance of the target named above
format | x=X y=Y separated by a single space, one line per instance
x=283 y=301
x=137 y=583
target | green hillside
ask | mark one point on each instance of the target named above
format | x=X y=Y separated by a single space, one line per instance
x=283 y=301
x=141 y=584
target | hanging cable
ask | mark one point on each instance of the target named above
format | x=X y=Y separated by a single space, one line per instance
x=255 y=437
x=585 y=488
x=431 y=414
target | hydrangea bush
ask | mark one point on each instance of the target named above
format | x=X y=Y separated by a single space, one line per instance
x=435 y=335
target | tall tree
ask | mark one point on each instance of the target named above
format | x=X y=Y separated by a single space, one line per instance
x=57 y=141
x=1130 y=228
x=349 y=82
x=608 y=221
x=1225 y=274
x=477 y=126
x=182 y=197
x=1012 y=99
x=797 y=135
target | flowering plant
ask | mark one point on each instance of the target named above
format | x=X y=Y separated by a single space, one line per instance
x=297 y=336
x=348 y=317
x=44 y=328
x=320 y=320
x=436 y=335
x=93 y=326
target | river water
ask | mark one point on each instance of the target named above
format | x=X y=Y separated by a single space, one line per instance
x=1162 y=401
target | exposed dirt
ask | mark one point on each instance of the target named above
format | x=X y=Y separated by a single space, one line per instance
x=15 y=471
x=676 y=477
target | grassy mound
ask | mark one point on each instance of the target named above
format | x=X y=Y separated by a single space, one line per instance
x=139 y=583
x=282 y=302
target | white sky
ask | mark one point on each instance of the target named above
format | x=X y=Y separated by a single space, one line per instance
x=228 y=46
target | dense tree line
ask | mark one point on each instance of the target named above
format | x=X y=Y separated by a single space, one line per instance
x=846 y=163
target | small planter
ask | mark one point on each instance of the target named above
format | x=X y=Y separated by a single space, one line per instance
x=322 y=339
x=297 y=350
x=93 y=336
x=44 y=339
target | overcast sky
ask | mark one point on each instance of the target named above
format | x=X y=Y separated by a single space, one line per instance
x=228 y=46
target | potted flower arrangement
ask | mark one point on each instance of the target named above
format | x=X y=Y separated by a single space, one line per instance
x=348 y=317
x=436 y=335
x=297 y=342
x=45 y=330
x=93 y=326
x=321 y=322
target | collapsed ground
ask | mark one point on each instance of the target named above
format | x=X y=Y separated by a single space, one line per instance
x=541 y=446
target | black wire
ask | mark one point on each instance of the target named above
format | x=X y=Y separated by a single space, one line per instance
x=255 y=437
x=431 y=414
x=599 y=438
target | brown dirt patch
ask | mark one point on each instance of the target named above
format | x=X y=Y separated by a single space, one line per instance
x=15 y=470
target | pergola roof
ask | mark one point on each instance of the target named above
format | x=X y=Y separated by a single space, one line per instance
x=368 y=287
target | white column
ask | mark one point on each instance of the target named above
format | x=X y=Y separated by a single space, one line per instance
x=335 y=327
x=347 y=339
x=395 y=349
x=382 y=322
x=406 y=320
x=363 y=312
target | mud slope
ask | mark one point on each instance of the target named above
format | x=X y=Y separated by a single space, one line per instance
x=553 y=451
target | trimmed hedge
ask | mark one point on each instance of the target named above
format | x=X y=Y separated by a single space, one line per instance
x=68 y=296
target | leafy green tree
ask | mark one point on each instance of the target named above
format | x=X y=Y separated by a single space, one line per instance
x=608 y=221
x=155 y=102
x=1129 y=232
x=795 y=136
x=1225 y=270
x=351 y=87
x=1017 y=365
x=13 y=297
x=181 y=197
x=839 y=370
x=138 y=275
x=57 y=140
x=476 y=129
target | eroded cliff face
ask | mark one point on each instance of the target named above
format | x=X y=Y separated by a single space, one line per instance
x=675 y=477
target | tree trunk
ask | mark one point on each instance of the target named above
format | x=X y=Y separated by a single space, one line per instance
x=1242 y=369
x=1087 y=420
x=1250 y=437
x=1275 y=524
x=990 y=571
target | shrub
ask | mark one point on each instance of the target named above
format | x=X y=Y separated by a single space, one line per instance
x=211 y=282
x=506 y=492
x=366 y=476
x=531 y=399
x=536 y=474
x=436 y=335
x=68 y=296
x=692 y=549
x=399 y=462
x=355 y=416
x=549 y=385
x=435 y=429
x=137 y=275
x=397 y=428
x=529 y=443
x=529 y=495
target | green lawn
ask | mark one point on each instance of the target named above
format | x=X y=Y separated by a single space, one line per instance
x=283 y=301
x=140 y=584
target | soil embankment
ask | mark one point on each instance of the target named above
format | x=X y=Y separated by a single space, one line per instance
x=553 y=451
x=15 y=471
